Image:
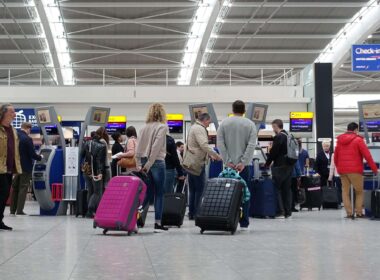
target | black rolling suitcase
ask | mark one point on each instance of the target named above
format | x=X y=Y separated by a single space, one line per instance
x=174 y=209
x=219 y=209
x=330 y=198
x=81 y=206
x=375 y=200
x=313 y=192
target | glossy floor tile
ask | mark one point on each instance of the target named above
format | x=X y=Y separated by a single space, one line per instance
x=312 y=245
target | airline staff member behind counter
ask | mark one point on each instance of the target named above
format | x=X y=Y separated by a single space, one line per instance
x=322 y=163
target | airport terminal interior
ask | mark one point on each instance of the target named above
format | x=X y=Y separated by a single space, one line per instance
x=189 y=139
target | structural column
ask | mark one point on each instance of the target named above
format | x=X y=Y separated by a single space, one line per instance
x=324 y=102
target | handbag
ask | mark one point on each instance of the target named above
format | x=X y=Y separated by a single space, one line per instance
x=128 y=162
x=86 y=166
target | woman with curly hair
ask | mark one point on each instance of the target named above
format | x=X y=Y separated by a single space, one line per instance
x=150 y=157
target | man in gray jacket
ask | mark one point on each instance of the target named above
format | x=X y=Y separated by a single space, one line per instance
x=237 y=138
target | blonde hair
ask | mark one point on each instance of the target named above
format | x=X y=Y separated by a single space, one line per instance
x=156 y=113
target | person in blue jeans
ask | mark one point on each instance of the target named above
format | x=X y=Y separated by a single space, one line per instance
x=237 y=139
x=150 y=157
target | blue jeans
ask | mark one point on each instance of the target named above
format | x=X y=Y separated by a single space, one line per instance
x=196 y=187
x=157 y=175
x=246 y=176
x=169 y=180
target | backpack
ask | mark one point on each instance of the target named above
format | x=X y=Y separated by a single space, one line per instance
x=292 y=149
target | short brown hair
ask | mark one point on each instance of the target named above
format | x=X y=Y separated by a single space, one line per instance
x=238 y=107
x=279 y=123
x=26 y=125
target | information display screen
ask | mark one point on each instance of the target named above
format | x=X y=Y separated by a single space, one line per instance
x=175 y=126
x=372 y=126
x=51 y=129
x=366 y=58
x=301 y=122
x=371 y=111
x=116 y=127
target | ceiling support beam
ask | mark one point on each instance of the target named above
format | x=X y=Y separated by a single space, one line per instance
x=50 y=40
x=206 y=37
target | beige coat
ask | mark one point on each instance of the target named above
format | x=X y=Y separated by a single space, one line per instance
x=3 y=151
x=197 y=143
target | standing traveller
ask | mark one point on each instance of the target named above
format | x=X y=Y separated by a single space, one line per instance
x=348 y=158
x=173 y=165
x=236 y=139
x=303 y=158
x=116 y=149
x=322 y=163
x=9 y=157
x=281 y=170
x=195 y=159
x=130 y=149
x=97 y=151
x=21 y=181
x=103 y=137
x=150 y=158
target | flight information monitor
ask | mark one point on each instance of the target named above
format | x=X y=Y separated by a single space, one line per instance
x=301 y=122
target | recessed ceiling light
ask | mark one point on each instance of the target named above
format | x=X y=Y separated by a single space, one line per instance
x=370 y=36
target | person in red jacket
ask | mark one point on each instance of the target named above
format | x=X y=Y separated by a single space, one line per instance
x=348 y=157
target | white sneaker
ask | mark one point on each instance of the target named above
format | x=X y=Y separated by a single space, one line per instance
x=280 y=217
x=12 y=215
x=245 y=229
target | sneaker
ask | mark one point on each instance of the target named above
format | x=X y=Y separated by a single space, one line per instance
x=295 y=210
x=360 y=216
x=22 y=214
x=159 y=228
x=245 y=229
x=89 y=215
x=5 y=227
x=12 y=214
x=288 y=217
x=349 y=216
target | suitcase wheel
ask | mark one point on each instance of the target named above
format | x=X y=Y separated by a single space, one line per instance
x=179 y=226
x=94 y=225
x=105 y=231
x=129 y=233
x=233 y=232
x=202 y=231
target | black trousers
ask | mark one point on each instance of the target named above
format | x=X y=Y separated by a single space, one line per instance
x=5 y=187
x=282 y=178
x=294 y=192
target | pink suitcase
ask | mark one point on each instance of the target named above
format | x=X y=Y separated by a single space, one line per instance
x=118 y=208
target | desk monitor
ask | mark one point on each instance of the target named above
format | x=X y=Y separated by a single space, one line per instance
x=198 y=109
x=368 y=111
x=257 y=112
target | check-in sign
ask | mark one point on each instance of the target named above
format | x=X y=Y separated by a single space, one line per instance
x=365 y=58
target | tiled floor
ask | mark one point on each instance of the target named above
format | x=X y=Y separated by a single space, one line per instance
x=313 y=245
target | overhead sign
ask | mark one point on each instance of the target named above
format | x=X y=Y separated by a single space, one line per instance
x=301 y=121
x=174 y=117
x=365 y=58
x=117 y=119
x=26 y=115
x=305 y=115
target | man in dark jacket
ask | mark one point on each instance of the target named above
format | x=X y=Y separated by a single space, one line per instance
x=21 y=181
x=173 y=165
x=348 y=158
x=322 y=163
x=281 y=169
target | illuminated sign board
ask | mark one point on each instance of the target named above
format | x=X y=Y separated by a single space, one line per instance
x=365 y=58
x=301 y=121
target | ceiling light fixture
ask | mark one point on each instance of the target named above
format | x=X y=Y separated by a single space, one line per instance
x=60 y=42
x=200 y=21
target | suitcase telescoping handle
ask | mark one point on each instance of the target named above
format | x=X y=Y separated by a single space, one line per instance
x=375 y=179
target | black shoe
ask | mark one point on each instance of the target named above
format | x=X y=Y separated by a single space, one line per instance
x=5 y=227
x=350 y=217
x=89 y=215
x=22 y=214
x=295 y=210
x=191 y=217
x=159 y=228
